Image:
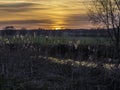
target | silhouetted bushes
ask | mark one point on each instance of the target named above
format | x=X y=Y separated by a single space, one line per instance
x=24 y=67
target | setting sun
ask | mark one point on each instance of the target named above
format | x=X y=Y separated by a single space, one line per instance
x=58 y=28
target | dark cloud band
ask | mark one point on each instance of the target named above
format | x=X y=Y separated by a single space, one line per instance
x=26 y=21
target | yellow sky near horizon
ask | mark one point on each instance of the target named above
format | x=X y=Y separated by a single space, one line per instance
x=48 y=14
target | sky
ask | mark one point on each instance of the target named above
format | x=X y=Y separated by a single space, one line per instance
x=47 y=14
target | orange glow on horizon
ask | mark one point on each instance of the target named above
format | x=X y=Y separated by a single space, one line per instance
x=47 y=14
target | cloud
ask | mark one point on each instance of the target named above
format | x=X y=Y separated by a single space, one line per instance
x=18 y=7
x=48 y=12
x=16 y=10
x=46 y=21
x=76 y=18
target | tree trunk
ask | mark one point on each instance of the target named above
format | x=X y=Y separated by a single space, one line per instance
x=117 y=53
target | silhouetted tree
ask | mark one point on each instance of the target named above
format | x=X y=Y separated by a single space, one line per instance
x=106 y=13
x=9 y=28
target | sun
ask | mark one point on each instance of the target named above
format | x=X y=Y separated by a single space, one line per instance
x=58 y=28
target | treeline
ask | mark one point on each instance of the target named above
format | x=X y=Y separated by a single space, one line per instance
x=67 y=32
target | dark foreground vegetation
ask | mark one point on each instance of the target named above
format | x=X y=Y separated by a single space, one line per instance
x=27 y=67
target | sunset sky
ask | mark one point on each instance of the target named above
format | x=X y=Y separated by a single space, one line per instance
x=49 y=14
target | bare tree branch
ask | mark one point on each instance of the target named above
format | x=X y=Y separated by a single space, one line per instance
x=107 y=14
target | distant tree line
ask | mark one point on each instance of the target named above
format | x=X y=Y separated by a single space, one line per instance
x=71 y=33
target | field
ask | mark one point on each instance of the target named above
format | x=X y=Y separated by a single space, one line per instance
x=57 y=63
x=46 y=40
